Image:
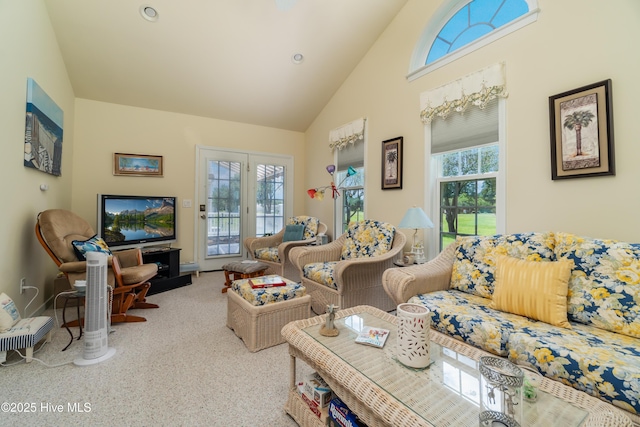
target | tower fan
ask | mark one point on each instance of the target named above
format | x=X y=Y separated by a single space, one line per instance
x=96 y=313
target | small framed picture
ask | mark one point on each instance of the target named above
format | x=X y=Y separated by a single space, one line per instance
x=392 y=163
x=137 y=165
x=582 y=132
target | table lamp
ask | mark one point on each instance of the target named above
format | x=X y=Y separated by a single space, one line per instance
x=416 y=218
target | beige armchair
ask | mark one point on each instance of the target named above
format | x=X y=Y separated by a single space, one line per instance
x=274 y=252
x=56 y=229
x=348 y=271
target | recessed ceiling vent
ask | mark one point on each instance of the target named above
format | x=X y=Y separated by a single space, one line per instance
x=149 y=13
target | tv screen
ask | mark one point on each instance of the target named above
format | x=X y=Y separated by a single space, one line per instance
x=131 y=221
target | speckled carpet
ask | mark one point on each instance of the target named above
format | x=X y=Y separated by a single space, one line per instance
x=182 y=367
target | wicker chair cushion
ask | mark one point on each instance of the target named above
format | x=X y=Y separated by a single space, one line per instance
x=601 y=363
x=268 y=295
x=368 y=238
x=321 y=272
x=604 y=287
x=474 y=264
x=310 y=225
x=267 y=254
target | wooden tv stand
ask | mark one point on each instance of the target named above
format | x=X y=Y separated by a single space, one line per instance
x=168 y=277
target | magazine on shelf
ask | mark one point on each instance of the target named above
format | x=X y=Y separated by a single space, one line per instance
x=266 y=282
x=372 y=336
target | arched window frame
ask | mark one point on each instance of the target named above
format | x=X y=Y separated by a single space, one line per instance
x=417 y=67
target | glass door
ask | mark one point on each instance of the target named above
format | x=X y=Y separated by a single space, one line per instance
x=240 y=195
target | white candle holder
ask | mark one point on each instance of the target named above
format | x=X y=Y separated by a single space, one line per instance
x=412 y=344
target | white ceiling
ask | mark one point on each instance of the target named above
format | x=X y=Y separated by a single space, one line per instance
x=225 y=59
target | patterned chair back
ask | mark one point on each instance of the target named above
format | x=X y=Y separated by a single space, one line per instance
x=367 y=238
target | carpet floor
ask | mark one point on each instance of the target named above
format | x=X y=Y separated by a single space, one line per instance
x=182 y=367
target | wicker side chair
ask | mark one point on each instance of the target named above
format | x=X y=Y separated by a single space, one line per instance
x=348 y=271
x=274 y=252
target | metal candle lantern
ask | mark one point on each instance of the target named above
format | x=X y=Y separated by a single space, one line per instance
x=501 y=392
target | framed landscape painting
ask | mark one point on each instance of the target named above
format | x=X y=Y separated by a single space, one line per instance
x=137 y=165
x=392 y=163
x=582 y=132
x=43 y=131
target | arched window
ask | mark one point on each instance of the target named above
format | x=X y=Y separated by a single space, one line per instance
x=462 y=26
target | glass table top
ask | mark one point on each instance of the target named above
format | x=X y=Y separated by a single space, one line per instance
x=445 y=393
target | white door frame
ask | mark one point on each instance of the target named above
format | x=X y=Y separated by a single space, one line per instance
x=247 y=200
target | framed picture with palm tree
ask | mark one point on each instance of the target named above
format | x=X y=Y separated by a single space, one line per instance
x=392 y=163
x=582 y=132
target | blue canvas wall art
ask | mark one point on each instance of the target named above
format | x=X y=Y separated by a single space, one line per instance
x=43 y=131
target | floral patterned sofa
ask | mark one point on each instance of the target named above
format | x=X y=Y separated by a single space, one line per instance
x=566 y=305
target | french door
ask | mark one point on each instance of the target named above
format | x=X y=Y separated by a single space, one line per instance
x=240 y=194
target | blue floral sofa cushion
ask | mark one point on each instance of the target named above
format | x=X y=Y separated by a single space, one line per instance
x=604 y=288
x=367 y=238
x=601 y=363
x=468 y=318
x=474 y=264
x=321 y=272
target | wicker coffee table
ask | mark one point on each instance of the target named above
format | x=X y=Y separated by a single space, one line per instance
x=382 y=392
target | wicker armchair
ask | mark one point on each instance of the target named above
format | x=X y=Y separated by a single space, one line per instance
x=348 y=271
x=272 y=251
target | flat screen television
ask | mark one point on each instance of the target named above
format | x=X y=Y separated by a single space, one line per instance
x=135 y=221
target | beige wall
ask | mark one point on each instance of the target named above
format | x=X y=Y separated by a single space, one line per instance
x=104 y=129
x=29 y=49
x=559 y=52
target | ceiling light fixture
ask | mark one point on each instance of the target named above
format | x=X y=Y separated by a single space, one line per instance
x=149 y=13
x=297 y=58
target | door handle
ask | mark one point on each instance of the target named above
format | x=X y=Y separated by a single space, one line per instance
x=203 y=216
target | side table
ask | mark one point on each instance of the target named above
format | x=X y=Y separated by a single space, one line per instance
x=79 y=299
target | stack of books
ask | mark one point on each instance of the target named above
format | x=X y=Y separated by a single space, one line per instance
x=266 y=282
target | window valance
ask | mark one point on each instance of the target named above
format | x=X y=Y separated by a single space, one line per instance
x=475 y=89
x=346 y=134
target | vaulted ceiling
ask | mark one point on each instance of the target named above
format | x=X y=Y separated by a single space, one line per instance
x=225 y=59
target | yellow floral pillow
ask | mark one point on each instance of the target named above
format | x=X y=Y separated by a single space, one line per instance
x=537 y=290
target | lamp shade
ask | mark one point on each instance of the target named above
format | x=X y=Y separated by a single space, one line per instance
x=415 y=218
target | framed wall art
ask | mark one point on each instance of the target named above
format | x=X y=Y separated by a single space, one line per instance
x=137 y=165
x=582 y=132
x=392 y=163
x=43 y=131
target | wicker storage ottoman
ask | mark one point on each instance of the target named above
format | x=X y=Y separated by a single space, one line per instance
x=258 y=315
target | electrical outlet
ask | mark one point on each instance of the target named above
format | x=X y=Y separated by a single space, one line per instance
x=23 y=283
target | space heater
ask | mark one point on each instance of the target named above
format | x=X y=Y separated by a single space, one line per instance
x=96 y=312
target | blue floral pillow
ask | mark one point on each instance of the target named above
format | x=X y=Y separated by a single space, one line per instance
x=310 y=225
x=475 y=259
x=94 y=244
x=604 y=287
x=368 y=238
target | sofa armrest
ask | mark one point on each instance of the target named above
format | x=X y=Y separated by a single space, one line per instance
x=405 y=282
